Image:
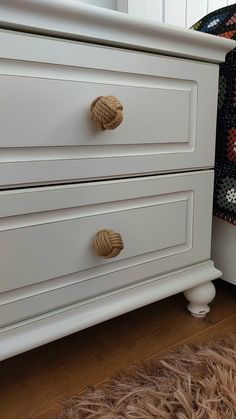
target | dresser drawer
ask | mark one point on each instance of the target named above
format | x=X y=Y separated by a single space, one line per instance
x=47 y=87
x=46 y=237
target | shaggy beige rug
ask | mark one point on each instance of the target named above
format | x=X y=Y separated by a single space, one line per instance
x=192 y=382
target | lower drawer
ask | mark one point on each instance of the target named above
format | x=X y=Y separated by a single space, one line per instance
x=46 y=237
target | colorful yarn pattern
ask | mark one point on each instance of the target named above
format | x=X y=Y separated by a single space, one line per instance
x=222 y=23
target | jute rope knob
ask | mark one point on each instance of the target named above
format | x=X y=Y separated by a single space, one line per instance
x=106 y=112
x=108 y=243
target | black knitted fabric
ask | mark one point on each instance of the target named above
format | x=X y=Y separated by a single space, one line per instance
x=222 y=22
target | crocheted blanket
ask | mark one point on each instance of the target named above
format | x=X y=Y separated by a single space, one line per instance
x=223 y=23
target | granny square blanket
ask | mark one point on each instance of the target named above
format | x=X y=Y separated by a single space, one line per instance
x=222 y=22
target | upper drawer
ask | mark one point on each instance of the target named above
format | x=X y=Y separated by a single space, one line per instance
x=47 y=86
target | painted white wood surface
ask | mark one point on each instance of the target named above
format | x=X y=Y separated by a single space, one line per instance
x=47 y=86
x=199 y=298
x=48 y=326
x=75 y=20
x=148 y=9
x=195 y=11
x=52 y=229
x=216 y=4
x=63 y=108
x=56 y=284
x=175 y=13
x=183 y=13
x=167 y=11
x=107 y=4
x=224 y=248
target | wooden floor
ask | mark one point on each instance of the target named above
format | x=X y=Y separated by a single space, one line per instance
x=33 y=382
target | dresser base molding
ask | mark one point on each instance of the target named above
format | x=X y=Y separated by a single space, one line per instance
x=36 y=331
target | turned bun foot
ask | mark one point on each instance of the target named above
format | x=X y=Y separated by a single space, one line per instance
x=199 y=297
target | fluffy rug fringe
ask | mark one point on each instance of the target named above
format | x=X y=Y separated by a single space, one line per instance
x=192 y=382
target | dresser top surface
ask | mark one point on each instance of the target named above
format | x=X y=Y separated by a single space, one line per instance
x=71 y=19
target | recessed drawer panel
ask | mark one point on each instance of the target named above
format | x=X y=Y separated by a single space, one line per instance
x=47 y=235
x=51 y=245
x=47 y=88
x=57 y=112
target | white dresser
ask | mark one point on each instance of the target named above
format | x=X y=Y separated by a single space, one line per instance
x=143 y=189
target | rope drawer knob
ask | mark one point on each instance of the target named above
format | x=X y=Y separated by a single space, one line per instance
x=106 y=112
x=108 y=243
